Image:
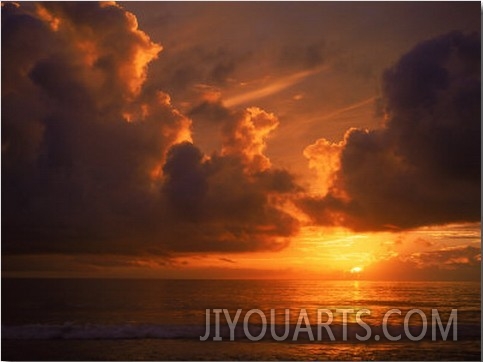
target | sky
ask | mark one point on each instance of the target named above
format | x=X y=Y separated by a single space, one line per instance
x=268 y=140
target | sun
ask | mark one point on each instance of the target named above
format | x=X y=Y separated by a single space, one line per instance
x=356 y=270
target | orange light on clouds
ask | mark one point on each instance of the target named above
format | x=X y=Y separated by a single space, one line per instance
x=89 y=50
x=156 y=172
x=277 y=132
x=248 y=139
x=45 y=15
x=324 y=160
x=137 y=67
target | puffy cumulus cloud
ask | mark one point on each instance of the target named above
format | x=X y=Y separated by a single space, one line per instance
x=423 y=166
x=324 y=159
x=95 y=162
x=243 y=133
x=220 y=205
x=246 y=135
x=232 y=200
x=105 y=46
x=73 y=165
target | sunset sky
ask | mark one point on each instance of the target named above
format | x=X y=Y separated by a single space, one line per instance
x=241 y=140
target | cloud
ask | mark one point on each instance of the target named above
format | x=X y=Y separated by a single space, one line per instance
x=455 y=263
x=245 y=137
x=185 y=69
x=95 y=162
x=324 y=159
x=220 y=205
x=306 y=56
x=227 y=260
x=351 y=107
x=274 y=87
x=423 y=166
x=231 y=200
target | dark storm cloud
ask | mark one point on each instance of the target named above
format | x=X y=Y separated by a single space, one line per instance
x=221 y=207
x=423 y=167
x=235 y=193
x=185 y=185
x=92 y=162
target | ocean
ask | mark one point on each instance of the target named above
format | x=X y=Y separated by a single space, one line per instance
x=131 y=319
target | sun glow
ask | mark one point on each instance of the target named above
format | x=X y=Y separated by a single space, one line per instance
x=356 y=270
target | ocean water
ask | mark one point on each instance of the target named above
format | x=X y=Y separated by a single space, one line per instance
x=113 y=319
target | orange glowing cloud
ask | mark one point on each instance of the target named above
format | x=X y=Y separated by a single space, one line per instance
x=49 y=18
x=247 y=136
x=98 y=46
x=324 y=159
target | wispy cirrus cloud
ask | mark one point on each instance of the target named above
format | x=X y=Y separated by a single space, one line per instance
x=274 y=87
